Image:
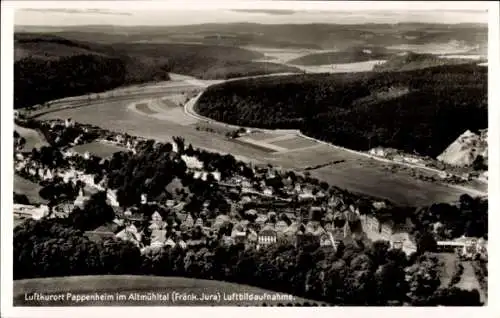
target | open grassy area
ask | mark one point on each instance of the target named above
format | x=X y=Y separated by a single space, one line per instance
x=358 y=174
x=98 y=148
x=141 y=285
x=295 y=143
x=28 y=188
x=144 y=107
x=34 y=139
x=448 y=266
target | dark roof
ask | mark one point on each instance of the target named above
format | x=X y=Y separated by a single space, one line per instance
x=98 y=236
x=109 y=227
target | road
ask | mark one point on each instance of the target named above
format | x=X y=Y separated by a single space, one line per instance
x=357 y=172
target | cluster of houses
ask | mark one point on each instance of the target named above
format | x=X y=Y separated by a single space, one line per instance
x=322 y=217
x=466 y=247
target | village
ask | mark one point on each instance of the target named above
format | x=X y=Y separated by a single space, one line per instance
x=260 y=214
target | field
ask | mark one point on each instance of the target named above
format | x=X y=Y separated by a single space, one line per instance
x=341 y=68
x=144 y=107
x=28 y=188
x=295 y=142
x=156 y=108
x=142 y=285
x=34 y=139
x=173 y=101
x=357 y=173
x=98 y=148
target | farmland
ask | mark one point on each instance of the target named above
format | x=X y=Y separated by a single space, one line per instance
x=33 y=138
x=28 y=188
x=98 y=148
x=358 y=173
x=128 y=285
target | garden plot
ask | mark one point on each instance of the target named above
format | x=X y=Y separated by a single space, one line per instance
x=294 y=143
x=98 y=148
x=158 y=109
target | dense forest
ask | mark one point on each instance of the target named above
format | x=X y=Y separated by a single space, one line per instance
x=419 y=111
x=414 y=61
x=39 y=80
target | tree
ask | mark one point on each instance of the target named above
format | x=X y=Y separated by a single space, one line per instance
x=423 y=279
x=426 y=243
x=95 y=212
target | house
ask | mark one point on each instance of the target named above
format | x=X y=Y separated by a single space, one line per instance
x=158 y=238
x=156 y=217
x=192 y=162
x=267 y=236
x=338 y=235
x=198 y=222
x=30 y=211
x=404 y=242
x=378 y=151
x=144 y=198
x=99 y=235
x=157 y=225
x=48 y=175
x=261 y=219
x=181 y=244
x=326 y=240
x=281 y=227
x=252 y=236
x=112 y=198
x=335 y=202
x=328 y=226
x=64 y=208
x=169 y=242
x=69 y=123
x=268 y=192
x=131 y=234
x=188 y=221
x=217 y=175
x=220 y=220
x=169 y=203
x=80 y=200
x=194 y=243
x=239 y=234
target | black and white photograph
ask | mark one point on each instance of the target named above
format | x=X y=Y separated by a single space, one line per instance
x=247 y=153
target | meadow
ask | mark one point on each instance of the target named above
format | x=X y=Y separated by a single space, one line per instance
x=98 y=148
x=127 y=285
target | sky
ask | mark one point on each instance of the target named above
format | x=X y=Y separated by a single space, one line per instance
x=342 y=13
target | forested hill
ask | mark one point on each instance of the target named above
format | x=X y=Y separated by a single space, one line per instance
x=49 y=67
x=421 y=110
x=414 y=61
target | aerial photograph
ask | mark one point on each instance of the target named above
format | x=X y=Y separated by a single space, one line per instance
x=250 y=157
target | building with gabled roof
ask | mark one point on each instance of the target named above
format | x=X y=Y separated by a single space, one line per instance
x=261 y=219
x=158 y=238
x=326 y=240
x=281 y=227
x=267 y=236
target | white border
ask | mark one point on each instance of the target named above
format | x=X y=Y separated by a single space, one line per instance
x=7 y=155
x=248 y=4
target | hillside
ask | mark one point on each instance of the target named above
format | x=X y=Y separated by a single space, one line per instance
x=312 y=36
x=402 y=110
x=49 y=67
x=347 y=56
x=466 y=149
x=413 y=61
